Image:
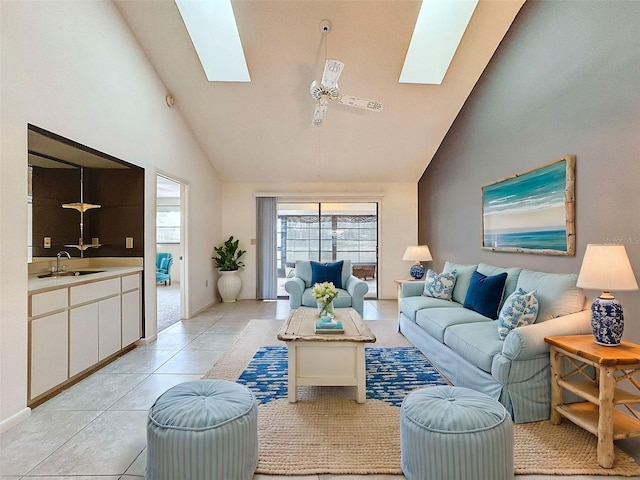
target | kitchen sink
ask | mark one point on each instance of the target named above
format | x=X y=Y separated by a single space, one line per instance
x=69 y=273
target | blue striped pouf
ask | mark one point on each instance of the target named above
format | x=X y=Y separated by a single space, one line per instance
x=203 y=430
x=454 y=433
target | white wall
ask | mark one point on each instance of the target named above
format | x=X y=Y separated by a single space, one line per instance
x=75 y=69
x=398 y=222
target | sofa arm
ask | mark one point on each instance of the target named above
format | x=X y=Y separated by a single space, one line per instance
x=357 y=289
x=412 y=289
x=295 y=287
x=527 y=342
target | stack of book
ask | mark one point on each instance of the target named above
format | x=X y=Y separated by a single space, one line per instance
x=329 y=326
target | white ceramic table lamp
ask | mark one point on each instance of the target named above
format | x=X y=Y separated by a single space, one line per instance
x=606 y=268
x=417 y=254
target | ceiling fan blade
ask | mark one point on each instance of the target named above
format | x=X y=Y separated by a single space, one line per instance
x=332 y=71
x=318 y=114
x=359 y=102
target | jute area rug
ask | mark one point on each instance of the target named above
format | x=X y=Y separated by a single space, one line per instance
x=327 y=432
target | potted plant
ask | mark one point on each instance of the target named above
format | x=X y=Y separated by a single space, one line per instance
x=227 y=261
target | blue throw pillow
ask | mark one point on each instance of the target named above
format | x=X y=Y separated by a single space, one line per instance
x=439 y=285
x=485 y=294
x=519 y=309
x=327 y=272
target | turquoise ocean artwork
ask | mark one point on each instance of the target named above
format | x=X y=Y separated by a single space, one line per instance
x=527 y=211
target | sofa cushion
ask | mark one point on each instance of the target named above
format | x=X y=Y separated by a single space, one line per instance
x=557 y=293
x=346 y=272
x=485 y=294
x=475 y=342
x=303 y=271
x=435 y=321
x=410 y=305
x=520 y=309
x=439 y=285
x=513 y=273
x=164 y=262
x=327 y=272
x=463 y=277
x=343 y=300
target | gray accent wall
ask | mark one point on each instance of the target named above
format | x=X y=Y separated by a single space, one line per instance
x=565 y=80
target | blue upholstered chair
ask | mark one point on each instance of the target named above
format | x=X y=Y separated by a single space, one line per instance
x=163 y=267
x=350 y=294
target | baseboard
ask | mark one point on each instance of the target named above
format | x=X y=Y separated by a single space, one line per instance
x=200 y=310
x=14 y=420
x=147 y=340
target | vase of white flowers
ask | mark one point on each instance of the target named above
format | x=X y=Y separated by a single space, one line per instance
x=325 y=293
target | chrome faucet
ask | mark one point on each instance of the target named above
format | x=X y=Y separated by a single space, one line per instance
x=63 y=252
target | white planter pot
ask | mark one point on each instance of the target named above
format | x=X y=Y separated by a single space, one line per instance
x=229 y=285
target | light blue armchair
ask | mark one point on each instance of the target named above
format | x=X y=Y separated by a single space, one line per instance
x=350 y=295
x=164 y=261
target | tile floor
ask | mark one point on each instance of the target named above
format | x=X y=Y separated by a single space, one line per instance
x=96 y=429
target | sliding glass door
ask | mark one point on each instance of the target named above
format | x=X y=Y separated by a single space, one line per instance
x=326 y=232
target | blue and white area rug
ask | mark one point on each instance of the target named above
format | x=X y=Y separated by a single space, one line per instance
x=391 y=373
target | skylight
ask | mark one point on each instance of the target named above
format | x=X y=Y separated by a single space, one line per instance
x=436 y=36
x=214 y=33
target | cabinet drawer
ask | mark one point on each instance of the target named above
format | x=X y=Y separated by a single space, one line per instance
x=130 y=282
x=46 y=302
x=94 y=291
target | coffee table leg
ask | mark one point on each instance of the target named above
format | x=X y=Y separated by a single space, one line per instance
x=361 y=373
x=292 y=386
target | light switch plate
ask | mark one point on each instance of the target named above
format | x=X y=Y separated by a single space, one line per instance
x=129 y=242
x=47 y=242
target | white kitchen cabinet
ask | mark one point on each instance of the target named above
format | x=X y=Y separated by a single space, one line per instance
x=109 y=327
x=131 y=312
x=49 y=361
x=76 y=327
x=83 y=338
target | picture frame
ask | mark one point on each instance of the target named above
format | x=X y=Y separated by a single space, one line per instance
x=532 y=211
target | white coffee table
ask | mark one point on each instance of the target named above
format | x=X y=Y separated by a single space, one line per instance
x=332 y=359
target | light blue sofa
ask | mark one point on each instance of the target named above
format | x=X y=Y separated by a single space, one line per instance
x=351 y=295
x=464 y=345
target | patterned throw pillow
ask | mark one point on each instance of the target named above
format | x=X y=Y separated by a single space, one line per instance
x=519 y=309
x=439 y=285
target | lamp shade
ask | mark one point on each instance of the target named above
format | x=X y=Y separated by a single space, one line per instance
x=417 y=253
x=606 y=267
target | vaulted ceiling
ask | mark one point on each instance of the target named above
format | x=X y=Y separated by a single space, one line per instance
x=261 y=131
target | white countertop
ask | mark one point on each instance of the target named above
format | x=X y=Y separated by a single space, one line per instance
x=50 y=283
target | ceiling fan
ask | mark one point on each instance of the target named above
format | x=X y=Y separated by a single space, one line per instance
x=328 y=88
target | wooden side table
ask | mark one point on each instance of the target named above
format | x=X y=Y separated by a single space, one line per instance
x=598 y=414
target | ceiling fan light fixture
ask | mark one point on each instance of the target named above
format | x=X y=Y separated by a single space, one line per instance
x=327 y=89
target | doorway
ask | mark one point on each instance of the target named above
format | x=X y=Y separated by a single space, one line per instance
x=169 y=251
x=325 y=232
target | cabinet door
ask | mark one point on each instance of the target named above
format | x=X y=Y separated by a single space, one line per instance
x=131 y=318
x=83 y=347
x=49 y=353
x=109 y=327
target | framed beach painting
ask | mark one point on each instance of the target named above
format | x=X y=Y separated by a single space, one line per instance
x=533 y=211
